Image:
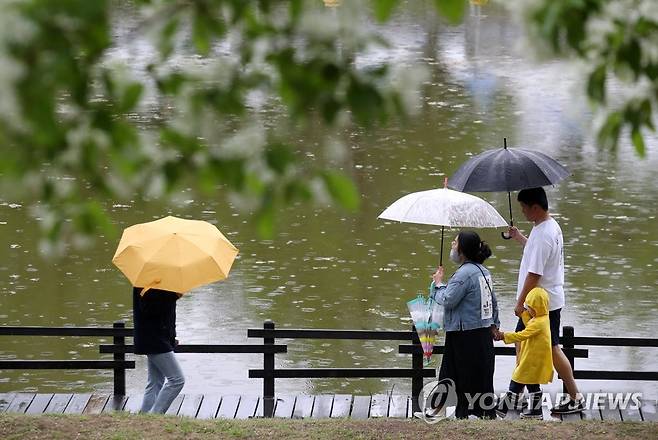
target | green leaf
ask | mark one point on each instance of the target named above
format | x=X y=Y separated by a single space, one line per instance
x=171 y=84
x=296 y=7
x=131 y=96
x=278 y=157
x=201 y=33
x=451 y=10
x=596 y=84
x=384 y=9
x=630 y=54
x=609 y=133
x=638 y=141
x=93 y=218
x=265 y=216
x=165 y=42
x=342 y=189
x=297 y=190
x=365 y=101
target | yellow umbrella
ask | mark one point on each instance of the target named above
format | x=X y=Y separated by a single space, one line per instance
x=174 y=254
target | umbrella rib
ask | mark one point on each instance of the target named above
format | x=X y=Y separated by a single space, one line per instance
x=206 y=253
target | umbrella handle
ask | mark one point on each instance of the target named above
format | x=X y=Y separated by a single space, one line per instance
x=505 y=235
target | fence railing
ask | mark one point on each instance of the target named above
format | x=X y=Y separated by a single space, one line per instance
x=269 y=373
x=118 y=349
x=416 y=373
x=569 y=340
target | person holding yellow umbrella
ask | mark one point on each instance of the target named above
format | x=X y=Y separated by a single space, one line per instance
x=163 y=260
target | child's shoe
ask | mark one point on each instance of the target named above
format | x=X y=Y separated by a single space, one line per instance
x=509 y=401
x=533 y=411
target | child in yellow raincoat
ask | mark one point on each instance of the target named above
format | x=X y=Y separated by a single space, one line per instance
x=535 y=361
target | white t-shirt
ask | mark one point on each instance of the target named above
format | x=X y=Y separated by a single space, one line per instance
x=543 y=255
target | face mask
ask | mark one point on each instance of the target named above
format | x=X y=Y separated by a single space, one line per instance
x=454 y=256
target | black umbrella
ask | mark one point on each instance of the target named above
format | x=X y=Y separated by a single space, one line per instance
x=507 y=169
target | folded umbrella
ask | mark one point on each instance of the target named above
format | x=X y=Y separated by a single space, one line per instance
x=507 y=169
x=427 y=316
x=174 y=254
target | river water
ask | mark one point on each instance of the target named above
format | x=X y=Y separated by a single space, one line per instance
x=330 y=269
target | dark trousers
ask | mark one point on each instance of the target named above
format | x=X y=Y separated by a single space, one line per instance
x=517 y=388
x=469 y=361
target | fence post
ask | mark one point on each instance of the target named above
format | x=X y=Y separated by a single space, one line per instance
x=268 y=380
x=119 y=373
x=568 y=342
x=417 y=367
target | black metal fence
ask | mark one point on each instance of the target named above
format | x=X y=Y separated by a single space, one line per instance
x=269 y=373
x=118 y=349
x=416 y=373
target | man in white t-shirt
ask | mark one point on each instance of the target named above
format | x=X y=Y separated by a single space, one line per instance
x=542 y=265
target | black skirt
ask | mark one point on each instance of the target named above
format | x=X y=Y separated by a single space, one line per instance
x=469 y=361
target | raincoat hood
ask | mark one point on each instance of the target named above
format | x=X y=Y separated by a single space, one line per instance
x=538 y=299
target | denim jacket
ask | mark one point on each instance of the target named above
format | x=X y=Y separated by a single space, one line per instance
x=462 y=299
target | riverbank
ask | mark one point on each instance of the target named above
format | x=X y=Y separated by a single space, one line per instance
x=126 y=426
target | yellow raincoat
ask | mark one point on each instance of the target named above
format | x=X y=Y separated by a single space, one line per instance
x=535 y=363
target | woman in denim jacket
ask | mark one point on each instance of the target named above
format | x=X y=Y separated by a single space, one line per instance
x=470 y=321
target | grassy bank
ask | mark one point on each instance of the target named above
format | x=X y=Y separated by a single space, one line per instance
x=123 y=426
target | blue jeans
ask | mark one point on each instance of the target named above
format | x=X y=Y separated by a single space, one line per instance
x=159 y=394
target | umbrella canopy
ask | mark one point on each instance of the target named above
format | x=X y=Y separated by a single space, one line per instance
x=174 y=254
x=507 y=169
x=444 y=207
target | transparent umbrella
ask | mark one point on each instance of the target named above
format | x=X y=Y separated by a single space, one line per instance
x=444 y=207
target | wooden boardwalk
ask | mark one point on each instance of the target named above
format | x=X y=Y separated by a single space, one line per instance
x=289 y=407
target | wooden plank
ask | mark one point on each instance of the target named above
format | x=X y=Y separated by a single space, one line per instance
x=397 y=406
x=209 y=406
x=342 y=406
x=379 y=406
x=303 y=407
x=190 y=406
x=649 y=409
x=116 y=402
x=20 y=403
x=591 y=414
x=284 y=406
x=513 y=414
x=631 y=415
x=322 y=406
x=610 y=414
x=134 y=403
x=360 y=407
x=175 y=406
x=571 y=417
x=247 y=408
x=39 y=404
x=259 y=408
x=229 y=407
x=548 y=416
x=5 y=401
x=96 y=404
x=260 y=411
x=58 y=403
x=77 y=404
